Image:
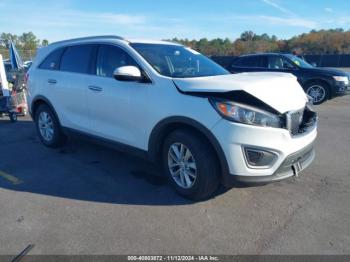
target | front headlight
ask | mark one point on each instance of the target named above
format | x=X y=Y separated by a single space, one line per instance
x=341 y=79
x=245 y=114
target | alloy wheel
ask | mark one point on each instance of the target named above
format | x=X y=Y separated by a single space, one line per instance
x=46 y=126
x=182 y=165
x=317 y=92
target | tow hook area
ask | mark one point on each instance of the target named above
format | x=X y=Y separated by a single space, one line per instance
x=296 y=168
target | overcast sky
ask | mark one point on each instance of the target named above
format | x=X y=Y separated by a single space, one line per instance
x=161 y=19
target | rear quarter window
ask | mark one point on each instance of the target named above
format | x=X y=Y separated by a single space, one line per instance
x=52 y=61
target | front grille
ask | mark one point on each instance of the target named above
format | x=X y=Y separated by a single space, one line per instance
x=298 y=122
x=303 y=157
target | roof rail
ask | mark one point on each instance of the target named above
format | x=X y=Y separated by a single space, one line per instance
x=89 y=38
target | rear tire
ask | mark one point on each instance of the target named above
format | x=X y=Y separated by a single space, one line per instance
x=198 y=165
x=48 y=127
x=13 y=117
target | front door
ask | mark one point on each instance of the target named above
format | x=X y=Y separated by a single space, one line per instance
x=118 y=109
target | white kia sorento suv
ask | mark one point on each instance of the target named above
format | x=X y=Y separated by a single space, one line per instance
x=175 y=107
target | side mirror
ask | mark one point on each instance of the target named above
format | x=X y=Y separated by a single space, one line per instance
x=128 y=73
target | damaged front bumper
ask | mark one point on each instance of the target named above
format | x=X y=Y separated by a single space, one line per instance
x=291 y=166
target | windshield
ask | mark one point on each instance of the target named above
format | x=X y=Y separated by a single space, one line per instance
x=299 y=62
x=178 y=61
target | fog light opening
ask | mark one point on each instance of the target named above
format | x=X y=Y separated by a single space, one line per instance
x=254 y=157
x=257 y=158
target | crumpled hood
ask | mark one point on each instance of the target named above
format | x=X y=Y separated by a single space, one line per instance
x=281 y=91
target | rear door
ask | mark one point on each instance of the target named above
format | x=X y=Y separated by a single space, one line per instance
x=118 y=109
x=68 y=86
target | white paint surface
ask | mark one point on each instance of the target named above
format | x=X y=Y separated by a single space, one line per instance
x=3 y=79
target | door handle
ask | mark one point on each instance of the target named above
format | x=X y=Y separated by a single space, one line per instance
x=52 y=81
x=96 y=88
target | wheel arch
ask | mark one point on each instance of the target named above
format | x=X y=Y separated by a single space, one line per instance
x=166 y=126
x=319 y=80
x=39 y=100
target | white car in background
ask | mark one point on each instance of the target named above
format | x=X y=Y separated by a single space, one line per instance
x=175 y=107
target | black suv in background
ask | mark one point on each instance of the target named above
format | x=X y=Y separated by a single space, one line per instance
x=319 y=83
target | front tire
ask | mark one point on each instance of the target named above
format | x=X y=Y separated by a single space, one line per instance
x=48 y=127
x=319 y=92
x=190 y=164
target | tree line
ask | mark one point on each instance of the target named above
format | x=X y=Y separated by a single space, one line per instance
x=25 y=41
x=333 y=41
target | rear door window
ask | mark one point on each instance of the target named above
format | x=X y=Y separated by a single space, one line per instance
x=251 y=61
x=77 y=59
x=111 y=57
x=52 y=61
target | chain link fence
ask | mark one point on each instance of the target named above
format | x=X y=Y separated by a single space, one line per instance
x=26 y=55
x=338 y=61
x=326 y=60
x=341 y=60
